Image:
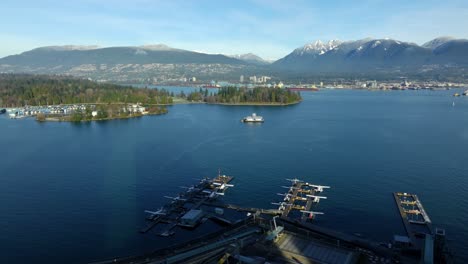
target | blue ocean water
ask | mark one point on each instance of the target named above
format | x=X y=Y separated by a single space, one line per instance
x=76 y=192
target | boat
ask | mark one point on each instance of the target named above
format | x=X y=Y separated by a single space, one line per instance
x=211 y=86
x=456 y=94
x=254 y=118
x=311 y=89
x=465 y=93
x=2 y=111
x=16 y=115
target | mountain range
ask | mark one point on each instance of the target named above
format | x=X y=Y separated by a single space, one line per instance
x=371 y=55
x=166 y=63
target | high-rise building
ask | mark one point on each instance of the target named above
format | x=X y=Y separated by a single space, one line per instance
x=241 y=78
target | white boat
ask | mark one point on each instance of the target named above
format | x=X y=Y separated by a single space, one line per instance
x=254 y=118
x=465 y=93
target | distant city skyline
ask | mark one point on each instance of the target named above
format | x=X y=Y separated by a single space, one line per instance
x=268 y=28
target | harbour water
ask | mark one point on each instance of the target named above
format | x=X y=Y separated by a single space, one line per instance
x=76 y=192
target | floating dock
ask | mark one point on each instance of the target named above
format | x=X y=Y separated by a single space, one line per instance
x=301 y=196
x=421 y=238
x=415 y=219
x=279 y=236
x=183 y=210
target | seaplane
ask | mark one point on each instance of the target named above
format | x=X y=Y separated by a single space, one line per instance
x=312 y=214
x=291 y=189
x=222 y=186
x=287 y=196
x=203 y=180
x=282 y=205
x=295 y=180
x=319 y=188
x=212 y=194
x=152 y=214
x=178 y=198
x=316 y=198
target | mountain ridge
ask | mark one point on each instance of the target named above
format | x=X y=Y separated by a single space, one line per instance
x=163 y=62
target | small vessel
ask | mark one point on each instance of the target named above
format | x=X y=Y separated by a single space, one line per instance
x=456 y=94
x=211 y=86
x=465 y=93
x=2 y=111
x=254 y=118
x=303 y=88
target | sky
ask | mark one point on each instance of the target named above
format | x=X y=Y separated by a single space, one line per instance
x=268 y=28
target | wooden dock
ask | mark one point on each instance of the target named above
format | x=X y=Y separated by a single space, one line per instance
x=299 y=193
x=205 y=192
x=424 y=225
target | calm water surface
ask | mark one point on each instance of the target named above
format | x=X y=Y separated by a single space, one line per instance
x=76 y=192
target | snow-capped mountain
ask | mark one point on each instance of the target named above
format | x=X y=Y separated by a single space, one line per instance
x=317 y=48
x=250 y=58
x=65 y=57
x=68 y=47
x=433 y=44
x=156 y=47
x=373 y=54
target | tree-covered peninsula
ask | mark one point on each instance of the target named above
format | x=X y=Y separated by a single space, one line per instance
x=64 y=98
x=41 y=90
x=246 y=96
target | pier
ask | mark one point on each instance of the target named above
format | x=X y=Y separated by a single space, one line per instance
x=285 y=234
x=421 y=238
x=301 y=196
x=184 y=210
x=415 y=219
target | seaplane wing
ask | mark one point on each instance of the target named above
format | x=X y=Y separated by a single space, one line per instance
x=282 y=204
x=175 y=198
x=213 y=192
x=295 y=180
x=315 y=196
x=319 y=186
x=159 y=212
x=312 y=212
x=286 y=187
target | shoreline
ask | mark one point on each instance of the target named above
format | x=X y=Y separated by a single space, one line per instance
x=239 y=104
x=175 y=102
x=56 y=119
x=255 y=104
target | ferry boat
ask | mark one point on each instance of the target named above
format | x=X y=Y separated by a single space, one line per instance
x=254 y=118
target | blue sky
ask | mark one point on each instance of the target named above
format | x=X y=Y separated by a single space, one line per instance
x=269 y=28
